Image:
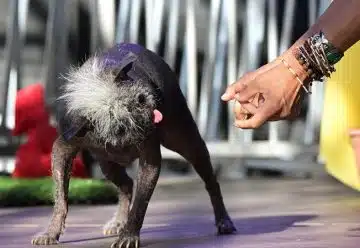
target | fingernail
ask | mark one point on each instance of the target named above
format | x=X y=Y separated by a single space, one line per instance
x=224 y=96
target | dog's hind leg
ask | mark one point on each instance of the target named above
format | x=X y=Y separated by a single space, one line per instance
x=181 y=135
x=117 y=174
x=62 y=157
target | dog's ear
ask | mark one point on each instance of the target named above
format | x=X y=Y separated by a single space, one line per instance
x=75 y=131
x=121 y=74
x=125 y=65
x=73 y=128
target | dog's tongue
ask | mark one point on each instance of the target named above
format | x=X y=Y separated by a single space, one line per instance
x=157 y=116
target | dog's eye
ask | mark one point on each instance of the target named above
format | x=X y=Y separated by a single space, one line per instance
x=121 y=131
x=141 y=99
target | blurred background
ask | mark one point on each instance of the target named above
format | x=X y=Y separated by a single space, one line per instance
x=274 y=179
x=209 y=43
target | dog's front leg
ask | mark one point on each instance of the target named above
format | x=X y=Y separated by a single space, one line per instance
x=149 y=171
x=62 y=157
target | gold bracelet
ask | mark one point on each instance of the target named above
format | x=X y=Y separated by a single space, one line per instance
x=296 y=76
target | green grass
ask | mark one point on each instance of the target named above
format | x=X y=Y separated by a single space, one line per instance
x=34 y=192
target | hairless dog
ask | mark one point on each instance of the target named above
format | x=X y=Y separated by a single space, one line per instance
x=122 y=105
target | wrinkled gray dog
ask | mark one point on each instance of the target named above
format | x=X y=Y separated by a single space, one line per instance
x=122 y=105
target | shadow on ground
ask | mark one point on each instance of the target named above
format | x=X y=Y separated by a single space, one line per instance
x=201 y=233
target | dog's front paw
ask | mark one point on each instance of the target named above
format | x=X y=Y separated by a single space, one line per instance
x=127 y=241
x=113 y=227
x=44 y=239
x=225 y=226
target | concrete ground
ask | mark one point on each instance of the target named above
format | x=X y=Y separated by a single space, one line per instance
x=267 y=213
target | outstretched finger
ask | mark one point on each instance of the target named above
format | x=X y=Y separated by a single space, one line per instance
x=232 y=90
x=238 y=86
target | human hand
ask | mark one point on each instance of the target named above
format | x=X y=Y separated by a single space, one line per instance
x=270 y=93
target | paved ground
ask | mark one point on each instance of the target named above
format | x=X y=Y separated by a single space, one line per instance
x=297 y=213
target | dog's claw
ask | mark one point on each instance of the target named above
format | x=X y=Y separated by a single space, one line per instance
x=126 y=242
x=225 y=226
x=113 y=228
x=44 y=239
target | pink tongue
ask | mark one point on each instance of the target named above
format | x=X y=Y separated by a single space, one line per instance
x=157 y=116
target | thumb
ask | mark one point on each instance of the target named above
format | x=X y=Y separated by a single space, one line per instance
x=254 y=122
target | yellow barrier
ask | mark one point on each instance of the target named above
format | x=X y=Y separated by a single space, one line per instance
x=342 y=112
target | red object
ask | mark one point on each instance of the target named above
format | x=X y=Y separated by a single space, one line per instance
x=33 y=159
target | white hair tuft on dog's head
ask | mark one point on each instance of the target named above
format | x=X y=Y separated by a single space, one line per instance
x=91 y=92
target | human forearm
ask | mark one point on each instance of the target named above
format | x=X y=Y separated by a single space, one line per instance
x=340 y=23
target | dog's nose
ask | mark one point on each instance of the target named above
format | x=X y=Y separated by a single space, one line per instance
x=141 y=98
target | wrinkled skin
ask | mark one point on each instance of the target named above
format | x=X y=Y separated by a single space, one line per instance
x=175 y=130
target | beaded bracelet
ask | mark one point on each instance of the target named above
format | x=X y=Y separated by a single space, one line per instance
x=318 y=57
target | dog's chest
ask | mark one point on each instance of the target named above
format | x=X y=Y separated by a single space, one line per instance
x=122 y=155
